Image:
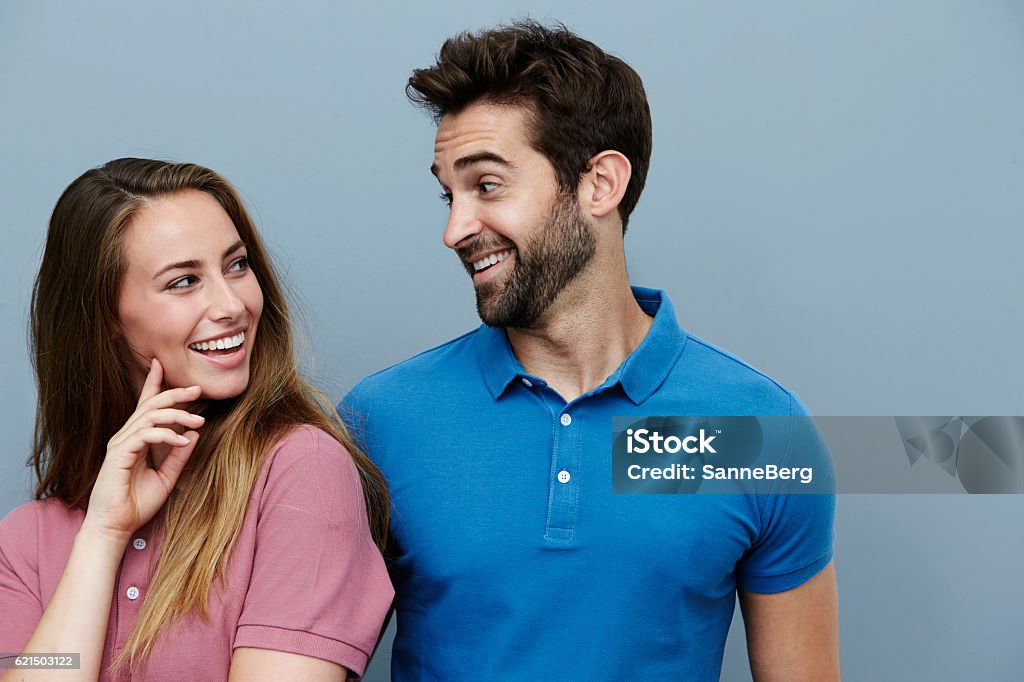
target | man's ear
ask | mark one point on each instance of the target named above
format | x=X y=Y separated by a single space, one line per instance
x=604 y=185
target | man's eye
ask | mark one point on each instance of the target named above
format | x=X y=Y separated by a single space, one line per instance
x=487 y=187
x=446 y=197
x=183 y=282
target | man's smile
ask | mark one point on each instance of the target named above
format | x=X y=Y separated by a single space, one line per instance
x=488 y=261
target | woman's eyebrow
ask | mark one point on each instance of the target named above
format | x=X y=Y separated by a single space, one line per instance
x=187 y=264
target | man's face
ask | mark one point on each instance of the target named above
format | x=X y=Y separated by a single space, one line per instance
x=519 y=238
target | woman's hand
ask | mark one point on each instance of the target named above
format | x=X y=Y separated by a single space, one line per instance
x=128 y=491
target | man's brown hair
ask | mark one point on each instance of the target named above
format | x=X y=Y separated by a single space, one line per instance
x=581 y=100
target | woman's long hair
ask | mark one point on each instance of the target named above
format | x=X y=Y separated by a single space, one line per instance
x=86 y=392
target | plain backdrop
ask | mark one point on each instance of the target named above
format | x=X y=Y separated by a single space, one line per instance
x=835 y=196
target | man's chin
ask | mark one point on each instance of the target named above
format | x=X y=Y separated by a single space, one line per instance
x=489 y=308
x=494 y=314
x=488 y=312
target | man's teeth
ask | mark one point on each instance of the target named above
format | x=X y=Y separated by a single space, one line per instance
x=488 y=261
x=227 y=343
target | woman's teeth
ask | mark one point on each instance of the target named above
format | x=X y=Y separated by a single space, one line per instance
x=491 y=260
x=227 y=343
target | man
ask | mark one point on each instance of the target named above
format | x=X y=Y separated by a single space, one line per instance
x=511 y=556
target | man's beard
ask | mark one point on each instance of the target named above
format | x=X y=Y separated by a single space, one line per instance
x=541 y=269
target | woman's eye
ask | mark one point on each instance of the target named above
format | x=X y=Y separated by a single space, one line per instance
x=182 y=282
x=446 y=197
x=240 y=264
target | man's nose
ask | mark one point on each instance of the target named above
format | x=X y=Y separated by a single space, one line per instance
x=463 y=221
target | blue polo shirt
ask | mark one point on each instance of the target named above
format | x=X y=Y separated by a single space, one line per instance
x=512 y=558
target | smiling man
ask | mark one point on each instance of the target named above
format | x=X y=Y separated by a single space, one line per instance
x=511 y=556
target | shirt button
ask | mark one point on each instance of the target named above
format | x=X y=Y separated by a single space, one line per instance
x=566 y=420
x=132 y=593
x=563 y=476
x=527 y=383
x=139 y=543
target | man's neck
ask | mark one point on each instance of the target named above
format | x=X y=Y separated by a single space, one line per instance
x=583 y=337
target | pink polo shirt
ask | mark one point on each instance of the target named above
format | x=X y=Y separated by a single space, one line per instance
x=304 y=576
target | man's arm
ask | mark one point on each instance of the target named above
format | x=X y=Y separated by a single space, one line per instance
x=793 y=636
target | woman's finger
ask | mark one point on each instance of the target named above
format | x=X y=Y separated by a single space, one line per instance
x=144 y=417
x=169 y=415
x=162 y=417
x=170 y=398
x=177 y=458
x=137 y=442
x=154 y=381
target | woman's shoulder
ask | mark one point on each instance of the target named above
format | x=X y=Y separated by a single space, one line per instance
x=307 y=452
x=34 y=516
x=307 y=442
x=41 y=523
x=20 y=523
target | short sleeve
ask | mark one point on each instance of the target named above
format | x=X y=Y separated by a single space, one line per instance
x=20 y=600
x=796 y=530
x=318 y=584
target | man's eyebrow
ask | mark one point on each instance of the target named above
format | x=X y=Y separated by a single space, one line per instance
x=479 y=157
x=189 y=264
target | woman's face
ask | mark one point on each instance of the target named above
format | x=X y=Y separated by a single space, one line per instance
x=188 y=297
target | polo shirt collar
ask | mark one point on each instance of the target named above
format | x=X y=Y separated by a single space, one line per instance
x=649 y=365
x=498 y=364
x=640 y=374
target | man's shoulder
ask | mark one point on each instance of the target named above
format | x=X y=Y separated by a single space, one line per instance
x=731 y=378
x=454 y=353
x=728 y=365
x=440 y=368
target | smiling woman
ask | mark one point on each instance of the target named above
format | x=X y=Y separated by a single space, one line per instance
x=189 y=296
x=185 y=469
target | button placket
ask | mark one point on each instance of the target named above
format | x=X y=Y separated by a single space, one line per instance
x=564 y=476
x=563 y=490
x=133 y=579
x=136 y=571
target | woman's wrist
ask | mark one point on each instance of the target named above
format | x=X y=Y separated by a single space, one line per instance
x=102 y=539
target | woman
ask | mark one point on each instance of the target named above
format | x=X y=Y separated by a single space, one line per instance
x=199 y=513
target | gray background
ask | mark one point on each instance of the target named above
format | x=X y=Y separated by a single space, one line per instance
x=835 y=196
